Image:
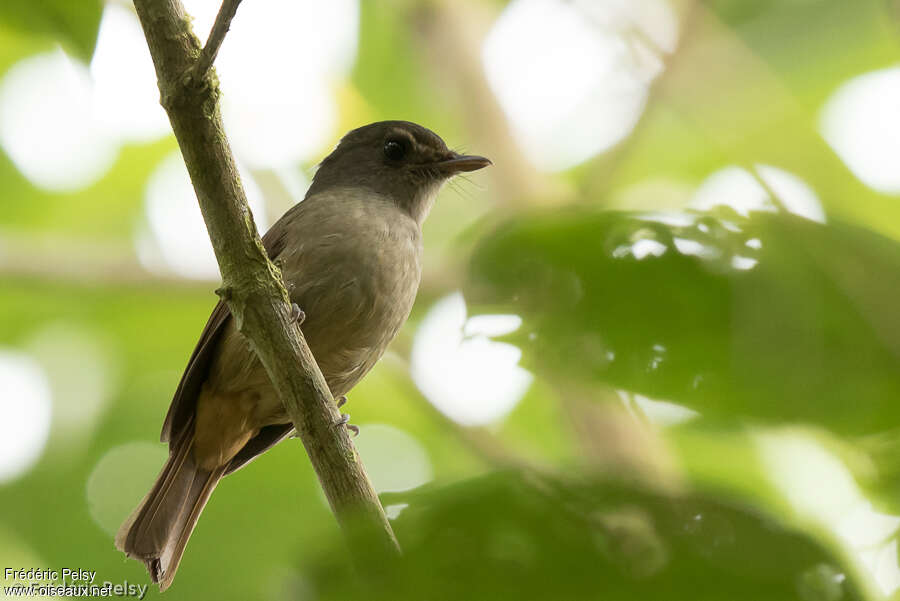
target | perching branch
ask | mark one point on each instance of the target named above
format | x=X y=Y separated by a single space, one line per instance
x=251 y=284
x=214 y=42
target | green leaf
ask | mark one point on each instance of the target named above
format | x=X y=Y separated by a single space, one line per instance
x=73 y=23
x=523 y=536
x=802 y=328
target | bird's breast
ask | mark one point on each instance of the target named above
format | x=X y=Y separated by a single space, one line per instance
x=356 y=279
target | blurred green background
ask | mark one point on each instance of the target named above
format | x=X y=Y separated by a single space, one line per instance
x=656 y=350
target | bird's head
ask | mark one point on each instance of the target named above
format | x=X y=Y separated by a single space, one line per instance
x=396 y=159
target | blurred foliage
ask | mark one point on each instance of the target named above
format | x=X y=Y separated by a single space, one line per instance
x=619 y=291
x=512 y=535
x=805 y=333
x=74 y=24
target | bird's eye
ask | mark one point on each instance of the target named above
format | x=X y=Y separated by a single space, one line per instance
x=394 y=150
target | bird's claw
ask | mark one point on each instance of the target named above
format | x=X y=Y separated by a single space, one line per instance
x=345 y=417
x=297 y=314
x=341 y=400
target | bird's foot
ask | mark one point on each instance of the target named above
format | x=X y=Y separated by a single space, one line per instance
x=345 y=417
x=341 y=400
x=297 y=314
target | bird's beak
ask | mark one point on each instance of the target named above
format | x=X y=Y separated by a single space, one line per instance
x=457 y=163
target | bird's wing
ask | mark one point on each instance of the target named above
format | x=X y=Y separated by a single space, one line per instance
x=182 y=408
x=183 y=403
x=267 y=438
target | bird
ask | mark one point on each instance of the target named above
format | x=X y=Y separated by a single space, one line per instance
x=350 y=254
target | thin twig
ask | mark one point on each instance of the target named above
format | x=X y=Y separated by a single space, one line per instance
x=216 y=37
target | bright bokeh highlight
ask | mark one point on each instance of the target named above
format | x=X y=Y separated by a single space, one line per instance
x=174 y=238
x=125 y=91
x=744 y=192
x=25 y=413
x=48 y=124
x=120 y=479
x=82 y=375
x=469 y=377
x=569 y=76
x=394 y=460
x=862 y=124
x=822 y=490
x=277 y=70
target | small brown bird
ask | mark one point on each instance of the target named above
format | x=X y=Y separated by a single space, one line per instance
x=351 y=257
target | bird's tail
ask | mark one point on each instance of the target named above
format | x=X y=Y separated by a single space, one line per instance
x=158 y=530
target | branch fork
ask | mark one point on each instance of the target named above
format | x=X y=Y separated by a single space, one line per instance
x=201 y=68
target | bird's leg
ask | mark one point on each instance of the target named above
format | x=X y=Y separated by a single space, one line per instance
x=345 y=417
x=297 y=314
